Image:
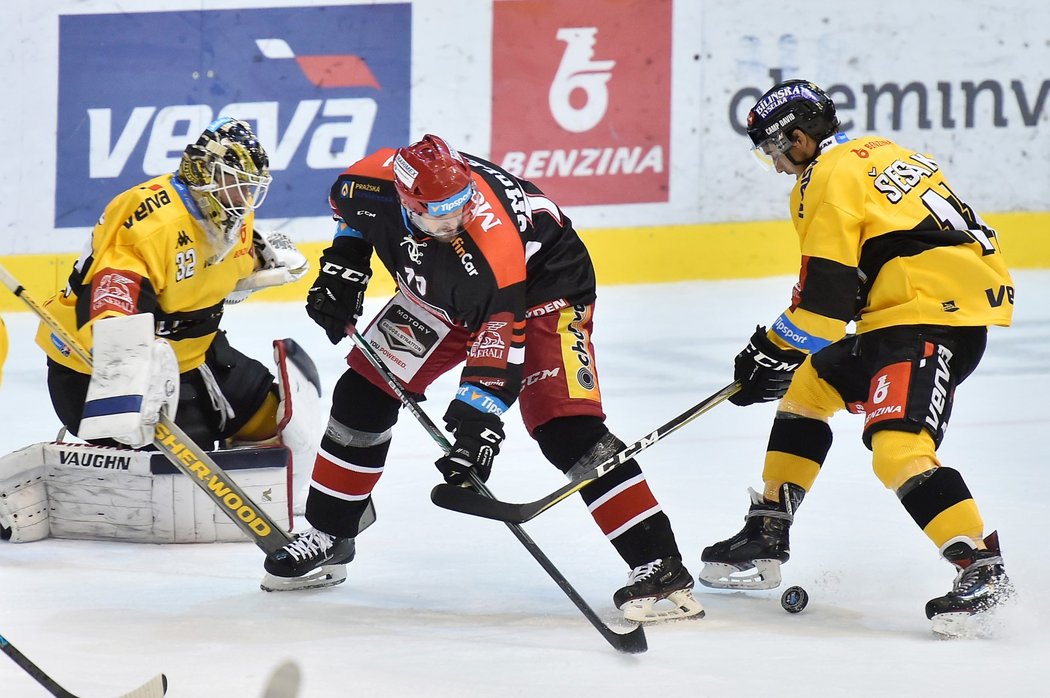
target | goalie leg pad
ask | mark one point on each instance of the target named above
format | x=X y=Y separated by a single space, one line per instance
x=299 y=416
x=23 y=496
x=100 y=493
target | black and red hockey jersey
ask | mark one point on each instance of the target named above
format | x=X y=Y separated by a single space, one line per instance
x=519 y=255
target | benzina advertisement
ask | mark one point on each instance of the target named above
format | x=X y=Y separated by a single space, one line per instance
x=581 y=98
x=629 y=113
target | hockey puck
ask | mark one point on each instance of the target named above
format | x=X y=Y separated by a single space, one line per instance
x=794 y=599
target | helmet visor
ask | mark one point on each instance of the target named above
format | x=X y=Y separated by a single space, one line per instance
x=768 y=151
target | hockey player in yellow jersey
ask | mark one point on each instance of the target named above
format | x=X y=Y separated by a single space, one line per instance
x=179 y=247
x=885 y=242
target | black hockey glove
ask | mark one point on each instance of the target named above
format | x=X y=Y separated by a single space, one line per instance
x=478 y=436
x=337 y=296
x=764 y=370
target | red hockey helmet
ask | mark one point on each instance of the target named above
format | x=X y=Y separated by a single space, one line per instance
x=434 y=181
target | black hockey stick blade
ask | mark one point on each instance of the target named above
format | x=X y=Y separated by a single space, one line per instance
x=632 y=642
x=467 y=501
x=154 y=688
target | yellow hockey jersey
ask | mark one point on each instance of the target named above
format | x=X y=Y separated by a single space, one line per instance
x=149 y=253
x=886 y=242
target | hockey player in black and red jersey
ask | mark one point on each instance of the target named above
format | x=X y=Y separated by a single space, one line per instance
x=886 y=243
x=489 y=272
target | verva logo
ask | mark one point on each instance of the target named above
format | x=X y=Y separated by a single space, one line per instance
x=603 y=133
x=318 y=85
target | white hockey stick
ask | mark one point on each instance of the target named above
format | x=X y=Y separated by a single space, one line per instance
x=180 y=449
x=284 y=681
x=154 y=688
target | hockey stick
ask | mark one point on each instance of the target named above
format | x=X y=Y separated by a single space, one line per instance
x=466 y=501
x=154 y=688
x=284 y=681
x=632 y=642
x=180 y=449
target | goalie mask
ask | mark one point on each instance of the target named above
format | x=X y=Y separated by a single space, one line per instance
x=789 y=105
x=227 y=174
x=435 y=186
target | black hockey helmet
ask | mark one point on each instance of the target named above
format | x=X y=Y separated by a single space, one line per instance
x=790 y=105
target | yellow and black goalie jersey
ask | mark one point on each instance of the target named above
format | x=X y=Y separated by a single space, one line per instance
x=149 y=253
x=886 y=242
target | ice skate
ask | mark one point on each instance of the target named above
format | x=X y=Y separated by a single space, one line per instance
x=311 y=561
x=980 y=586
x=650 y=585
x=751 y=559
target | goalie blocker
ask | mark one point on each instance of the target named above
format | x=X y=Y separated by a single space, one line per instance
x=72 y=490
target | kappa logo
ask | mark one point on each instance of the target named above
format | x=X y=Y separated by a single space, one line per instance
x=184 y=239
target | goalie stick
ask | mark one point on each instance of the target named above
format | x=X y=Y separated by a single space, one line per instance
x=467 y=501
x=154 y=688
x=631 y=642
x=180 y=449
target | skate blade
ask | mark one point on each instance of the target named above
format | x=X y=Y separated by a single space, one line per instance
x=765 y=574
x=326 y=576
x=680 y=604
x=962 y=625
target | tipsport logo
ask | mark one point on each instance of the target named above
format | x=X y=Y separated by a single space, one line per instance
x=321 y=87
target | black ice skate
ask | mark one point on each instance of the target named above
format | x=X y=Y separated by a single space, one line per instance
x=649 y=584
x=751 y=559
x=980 y=586
x=313 y=560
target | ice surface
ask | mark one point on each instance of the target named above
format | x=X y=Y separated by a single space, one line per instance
x=441 y=604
